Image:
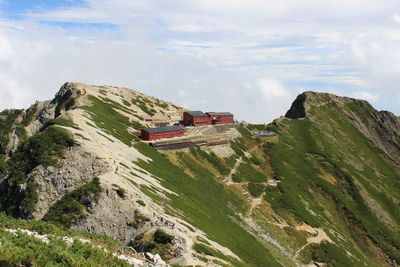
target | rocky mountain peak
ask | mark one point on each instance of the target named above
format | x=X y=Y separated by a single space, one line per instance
x=381 y=127
x=306 y=100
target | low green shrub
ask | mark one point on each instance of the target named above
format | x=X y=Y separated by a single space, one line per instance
x=106 y=117
x=235 y=146
x=30 y=115
x=162 y=237
x=256 y=189
x=120 y=191
x=141 y=103
x=161 y=105
x=3 y=166
x=25 y=250
x=212 y=158
x=31 y=197
x=157 y=243
x=246 y=172
x=126 y=103
x=60 y=122
x=256 y=127
x=330 y=254
x=141 y=202
x=245 y=132
x=255 y=160
x=206 y=250
x=72 y=206
x=203 y=249
x=231 y=160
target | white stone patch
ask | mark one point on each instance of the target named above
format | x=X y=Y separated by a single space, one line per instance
x=69 y=240
x=42 y=238
x=130 y=260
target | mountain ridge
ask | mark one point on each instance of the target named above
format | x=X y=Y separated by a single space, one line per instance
x=381 y=124
x=248 y=186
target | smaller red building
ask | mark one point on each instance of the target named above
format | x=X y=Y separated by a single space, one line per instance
x=196 y=118
x=162 y=132
x=220 y=117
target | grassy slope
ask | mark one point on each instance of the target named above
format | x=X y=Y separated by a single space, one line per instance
x=208 y=205
x=104 y=115
x=204 y=201
x=331 y=144
x=306 y=154
x=26 y=250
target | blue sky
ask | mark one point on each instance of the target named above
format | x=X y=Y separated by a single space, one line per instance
x=16 y=9
x=249 y=57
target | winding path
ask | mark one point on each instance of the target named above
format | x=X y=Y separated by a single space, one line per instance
x=320 y=236
x=228 y=179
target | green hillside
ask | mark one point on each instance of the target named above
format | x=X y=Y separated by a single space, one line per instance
x=323 y=189
x=21 y=249
x=332 y=176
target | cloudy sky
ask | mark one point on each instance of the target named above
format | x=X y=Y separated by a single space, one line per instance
x=251 y=57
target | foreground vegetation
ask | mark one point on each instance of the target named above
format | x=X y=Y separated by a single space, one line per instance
x=22 y=249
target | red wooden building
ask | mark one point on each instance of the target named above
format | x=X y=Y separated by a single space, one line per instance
x=162 y=132
x=196 y=118
x=220 y=117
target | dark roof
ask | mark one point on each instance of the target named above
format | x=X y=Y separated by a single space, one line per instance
x=197 y=113
x=163 y=129
x=219 y=113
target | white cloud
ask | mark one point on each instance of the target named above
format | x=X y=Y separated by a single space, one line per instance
x=210 y=50
x=365 y=96
x=271 y=88
x=5 y=47
x=396 y=18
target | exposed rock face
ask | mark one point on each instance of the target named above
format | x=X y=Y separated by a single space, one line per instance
x=107 y=215
x=298 y=108
x=77 y=167
x=9 y=134
x=65 y=98
x=46 y=113
x=43 y=111
x=120 y=217
x=304 y=102
x=13 y=141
